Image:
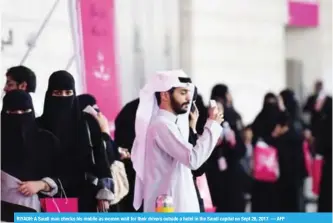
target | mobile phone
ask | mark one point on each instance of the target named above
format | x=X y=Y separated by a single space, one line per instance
x=90 y=110
x=193 y=107
x=212 y=103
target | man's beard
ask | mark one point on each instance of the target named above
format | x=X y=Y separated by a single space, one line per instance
x=178 y=108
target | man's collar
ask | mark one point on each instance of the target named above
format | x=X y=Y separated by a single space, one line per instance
x=169 y=115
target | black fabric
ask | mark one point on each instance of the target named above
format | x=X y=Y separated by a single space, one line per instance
x=203 y=114
x=227 y=187
x=197 y=173
x=23 y=142
x=324 y=144
x=290 y=156
x=292 y=106
x=184 y=80
x=315 y=116
x=17 y=100
x=283 y=195
x=95 y=130
x=8 y=210
x=85 y=100
x=264 y=196
x=219 y=92
x=63 y=118
x=61 y=115
x=265 y=121
x=124 y=137
x=27 y=152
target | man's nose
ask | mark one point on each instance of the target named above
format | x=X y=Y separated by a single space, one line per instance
x=188 y=97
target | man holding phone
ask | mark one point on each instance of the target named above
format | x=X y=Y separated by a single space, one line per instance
x=162 y=156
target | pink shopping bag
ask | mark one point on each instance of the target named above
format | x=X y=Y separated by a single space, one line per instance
x=307 y=158
x=204 y=193
x=60 y=205
x=266 y=166
x=316 y=175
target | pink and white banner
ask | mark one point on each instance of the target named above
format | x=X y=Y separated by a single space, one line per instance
x=97 y=37
x=303 y=13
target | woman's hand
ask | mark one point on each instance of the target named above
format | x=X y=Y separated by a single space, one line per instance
x=30 y=188
x=103 y=122
x=103 y=205
x=124 y=154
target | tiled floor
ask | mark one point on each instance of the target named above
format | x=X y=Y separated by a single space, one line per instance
x=310 y=206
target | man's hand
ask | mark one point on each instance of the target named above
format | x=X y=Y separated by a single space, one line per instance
x=194 y=118
x=30 y=188
x=216 y=114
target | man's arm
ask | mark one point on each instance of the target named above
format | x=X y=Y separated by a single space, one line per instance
x=170 y=140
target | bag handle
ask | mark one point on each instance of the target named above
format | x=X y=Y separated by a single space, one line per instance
x=62 y=191
x=90 y=142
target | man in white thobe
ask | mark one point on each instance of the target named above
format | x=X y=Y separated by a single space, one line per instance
x=162 y=156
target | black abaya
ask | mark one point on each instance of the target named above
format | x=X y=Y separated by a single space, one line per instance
x=124 y=137
x=325 y=149
x=27 y=152
x=81 y=161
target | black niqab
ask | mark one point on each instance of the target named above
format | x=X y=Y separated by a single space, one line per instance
x=16 y=131
x=264 y=123
x=61 y=114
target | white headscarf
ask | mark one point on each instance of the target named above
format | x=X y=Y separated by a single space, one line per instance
x=162 y=81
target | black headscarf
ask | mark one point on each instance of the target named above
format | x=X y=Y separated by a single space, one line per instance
x=85 y=100
x=219 y=92
x=94 y=127
x=17 y=129
x=270 y=104
x=61 y=115
x=265 y=122
x=290 y=103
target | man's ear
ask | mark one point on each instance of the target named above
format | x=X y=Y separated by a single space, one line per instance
x=23 y=86
x=164 y=96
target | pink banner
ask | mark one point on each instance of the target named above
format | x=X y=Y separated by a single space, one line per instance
x=97 y=18
x=303 y=13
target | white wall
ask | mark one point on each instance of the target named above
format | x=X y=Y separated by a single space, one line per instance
x=53 y=49
x=153 y=18
x=239 y=43
x=313 y=46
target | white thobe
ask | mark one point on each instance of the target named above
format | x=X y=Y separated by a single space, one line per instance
x=169 y=160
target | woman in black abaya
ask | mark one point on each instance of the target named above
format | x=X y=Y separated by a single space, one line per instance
x=296 y=127
x=264 y=195
x=83 y=164
x=96 y=131
x=324 y=145
x=28 y=155
x=227 y=185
